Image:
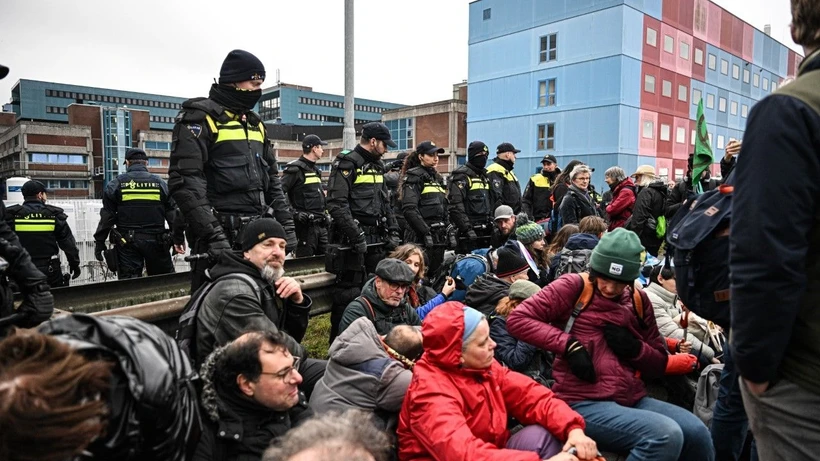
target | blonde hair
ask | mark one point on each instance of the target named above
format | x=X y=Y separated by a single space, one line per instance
x=405 y=251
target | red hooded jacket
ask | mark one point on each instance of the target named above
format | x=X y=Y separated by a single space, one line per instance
x=540 y=321
x=620 y=208
x=452 y=413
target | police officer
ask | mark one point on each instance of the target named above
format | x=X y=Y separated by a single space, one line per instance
x=302 y=184
x=43 y=231
x=362 y=217
x=503 y=182
x=138 y=204
x=391 y=178
x=222 y=171
x=424 y=203
x=471 y=204
x=536 y=201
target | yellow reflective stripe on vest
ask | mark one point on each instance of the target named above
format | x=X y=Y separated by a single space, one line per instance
x=478 y=184
x=235 y=131
x=370 y=178
x=34 y=225
x=211 y=124
x=312 y=178
x=140 y=194
x=432 y=188
x=540 y=180
x=508 y=175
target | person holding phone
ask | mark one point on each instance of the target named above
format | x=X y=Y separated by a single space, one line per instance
x=422 y=298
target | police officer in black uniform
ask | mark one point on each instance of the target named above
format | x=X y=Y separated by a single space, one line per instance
x=424 y=203
x=302 y=184
x=43 y=232
x=362 y=218
x=471 y=205
x=222 y=172
x=138 y=204
x=536 y=201
x=503 y=182
x=391 y=178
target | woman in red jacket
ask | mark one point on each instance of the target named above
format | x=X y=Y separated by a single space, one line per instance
x=457 y=405
x=624 y=192
x=601 y=354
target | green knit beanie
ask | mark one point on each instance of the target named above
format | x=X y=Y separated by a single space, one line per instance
x=523 y=289
x=527 y=231
x=618 y=256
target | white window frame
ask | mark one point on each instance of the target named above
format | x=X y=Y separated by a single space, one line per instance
x=720 y=141
x=710 y=101
x=756 y=80
x=649 y=80
x=668 y=44
x=744 y=110
x=733 y=108
x=722 y=104
x=724 y=67
x=774 y=86
x=692 y=139
x=666 y=89
x=698 y=56
x=696 y=95
x=665 y=132
x=712 y=62
x=651 y=37
x=683 y=93
x=765 y=85
x=735 y=72
x=680 y=135
x=648 y=131
x=681 y=47
x=746 y=75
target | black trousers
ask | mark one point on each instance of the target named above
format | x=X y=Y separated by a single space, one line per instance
x=349 y=283
x=141 y=253
x=312 y=240
x=53 y=272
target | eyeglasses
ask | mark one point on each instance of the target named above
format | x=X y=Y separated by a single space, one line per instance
x=286 y=373
x=397 y=286
x=582 y=178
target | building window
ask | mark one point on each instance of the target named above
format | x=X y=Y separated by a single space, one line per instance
x=66 y=184
x=733 y=108
x=765 y=83
x=666 y=89
x=401 y=130
x=546 y=137
x=158 y=145
x=488 y=13
x=692 y=139
x=756 y=80
x=722 y=104
x=710 y=101
x=745 y=75
x=774 y=86
x=735 y=71
x=724 y=67
x=648 y=129
x=744 y=110
x=720 y=141
x=668 y=44
x=696 y=95
x=684 y=50
x=651 y=37
x=683 y=92
x=664 y=132
x=548 y=48
x=68 y=159
x=680 y=135
x=712 y=61
x=546 y=93
x=698 y=56
x=157 y=162
x=649 y=83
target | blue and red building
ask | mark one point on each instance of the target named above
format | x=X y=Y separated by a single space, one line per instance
x=615 y=82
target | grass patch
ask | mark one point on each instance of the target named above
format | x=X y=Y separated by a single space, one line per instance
x=316 y=336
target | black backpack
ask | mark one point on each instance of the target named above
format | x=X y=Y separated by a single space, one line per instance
x=699 y=241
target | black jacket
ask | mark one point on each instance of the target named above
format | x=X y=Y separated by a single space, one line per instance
x=504 y=185
x=536 y=201
x=43 y=231
x=383 y=316
x=470 y=199
x=576 y=205
x=220 y=162
x=424 y=200
x=485 y=292
x=649 y=205
x=154 y=408
x=302 y=184
x=233 y=307
x=136 y=201
x=684 y=191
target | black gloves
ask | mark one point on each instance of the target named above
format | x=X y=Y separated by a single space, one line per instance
x=290 y=232
x=360 y=246
x=580 y=362
x=472 y=236
x=99 y=247
x=75 y=272
x=622 y=342
x=218 y=243
x=393 y=241
x=37 y=306
x=428 y=241
x=302 y=217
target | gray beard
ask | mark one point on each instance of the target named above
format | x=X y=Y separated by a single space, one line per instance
x=272 y=274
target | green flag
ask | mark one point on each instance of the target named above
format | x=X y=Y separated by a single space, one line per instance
x=703 y=158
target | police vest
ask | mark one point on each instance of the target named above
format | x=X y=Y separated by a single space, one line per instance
x=237 y=171
x=307 y=196
x=368 y=192
x=508 y=175
x=477 y=202
x=35 y=227
x=141 y=206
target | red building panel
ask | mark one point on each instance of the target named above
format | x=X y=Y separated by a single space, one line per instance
x=668 y=59
x=670 y=13
x=647 y=146
x=682 y=107
x=649 y=100
x=791 y=67
x=681 y=150
x=686 y=15
x=725 y=30
x=663 y=167
x=713 y=24
x=699 y=70
x=684 y=54
x=699 y=21
x=652 y=54
x=665 y=135
x=667 y=103
x=737 y=36
x=678 y=169
x=748 y=43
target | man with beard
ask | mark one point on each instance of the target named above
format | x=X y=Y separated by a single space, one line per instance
x=249 y=291
x=382 y=300
x=222 y=172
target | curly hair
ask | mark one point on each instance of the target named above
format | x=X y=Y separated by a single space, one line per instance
x=806 y=23
x=53 y=400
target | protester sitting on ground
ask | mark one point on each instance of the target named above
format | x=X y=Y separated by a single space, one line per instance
x=421 y=298
x=382 y=299
x=602 y=354
x=512 y=353
x=574 y=257
x=460 y=398
x=662 y=291
x=487 y=290
x=649 y=207
x=84 y=387
x=250 y=395
x=368 y=372
x=624 y=193
x=578 y=203
x=530 y=243
x=560 y=239
x=350 y=436
x=504 y=229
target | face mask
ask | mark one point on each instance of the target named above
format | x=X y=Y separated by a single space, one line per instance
x=233 y=98
x=479 y=161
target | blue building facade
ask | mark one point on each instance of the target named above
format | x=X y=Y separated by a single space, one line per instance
x=614 y=82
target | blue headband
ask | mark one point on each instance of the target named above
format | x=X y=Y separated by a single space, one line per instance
x=471 y=320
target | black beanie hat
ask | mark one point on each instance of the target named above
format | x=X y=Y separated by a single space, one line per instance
x=510 y=262
x=240 y=66
x=261 y=230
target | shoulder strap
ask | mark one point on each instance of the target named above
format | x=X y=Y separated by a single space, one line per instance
x=637 y=301
x=583 y=301
x=370 y=307
x=187 y=321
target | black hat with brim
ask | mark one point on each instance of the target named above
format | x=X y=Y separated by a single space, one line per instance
x=378 y=130
x=429 y=147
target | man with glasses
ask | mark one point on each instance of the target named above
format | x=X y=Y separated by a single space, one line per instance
x=383 y=299
x=250 y=394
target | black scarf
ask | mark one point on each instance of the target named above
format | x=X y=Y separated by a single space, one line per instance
x=478 y=161
x=234 y=99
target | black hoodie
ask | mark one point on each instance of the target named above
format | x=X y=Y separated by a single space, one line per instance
x=649 y=205
x=485 y=292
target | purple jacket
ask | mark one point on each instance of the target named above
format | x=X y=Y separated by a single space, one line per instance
x=540 y=321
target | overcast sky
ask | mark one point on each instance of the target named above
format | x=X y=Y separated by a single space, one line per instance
x=407 y=51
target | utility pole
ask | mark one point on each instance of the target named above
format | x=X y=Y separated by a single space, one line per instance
x=349 y=133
